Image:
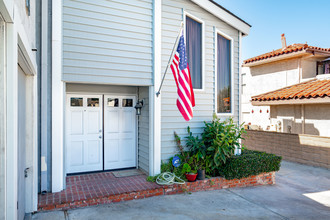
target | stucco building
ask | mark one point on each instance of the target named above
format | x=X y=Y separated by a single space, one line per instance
x=287 y=90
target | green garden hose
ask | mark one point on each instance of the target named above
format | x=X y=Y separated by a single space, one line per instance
x=168 y=178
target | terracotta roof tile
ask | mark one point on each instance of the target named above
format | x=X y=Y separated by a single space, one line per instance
x=310 y=89
x=289 y=49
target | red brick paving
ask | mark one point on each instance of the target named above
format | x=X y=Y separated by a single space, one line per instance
x=94 y=186
x=103 y=188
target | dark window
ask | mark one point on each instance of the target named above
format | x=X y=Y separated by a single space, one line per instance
x=194 y=51
x=27 y=7
x=127 y=102
x=76 y=102
x=323 y=67
x=113 y=102
x=224 y=99
x=93 y=102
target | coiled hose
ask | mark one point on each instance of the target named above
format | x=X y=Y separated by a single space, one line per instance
x=168 y=178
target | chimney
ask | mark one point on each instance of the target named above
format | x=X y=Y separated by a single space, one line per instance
x=283 y=40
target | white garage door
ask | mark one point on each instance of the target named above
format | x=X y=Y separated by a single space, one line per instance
x=84 y=149
x=86 y=139
x=119 y=132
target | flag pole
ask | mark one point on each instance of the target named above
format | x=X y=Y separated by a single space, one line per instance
x=171 y=58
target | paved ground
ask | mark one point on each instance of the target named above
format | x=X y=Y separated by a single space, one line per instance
x=300 y=192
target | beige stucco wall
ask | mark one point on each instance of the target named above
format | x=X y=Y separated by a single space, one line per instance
x=308 y=68
x=317 y=118
x=261 y=79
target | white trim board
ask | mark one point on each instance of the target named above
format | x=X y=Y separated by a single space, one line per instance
x=232 y=98
x=224 y=15
x=185 y=14
x=155 y=101
x=58 y=100
x=11 y=116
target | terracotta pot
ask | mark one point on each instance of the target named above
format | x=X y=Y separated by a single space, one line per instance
x=191 y=177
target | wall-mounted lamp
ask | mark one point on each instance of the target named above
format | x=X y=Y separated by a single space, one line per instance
x=139 y=106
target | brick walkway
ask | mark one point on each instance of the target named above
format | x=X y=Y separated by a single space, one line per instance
x=89 y=188
x=104 y=188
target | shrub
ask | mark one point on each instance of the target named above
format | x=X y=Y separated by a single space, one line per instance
x=220 y=139
x=249 y=163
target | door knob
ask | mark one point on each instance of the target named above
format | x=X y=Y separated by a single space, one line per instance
x=100 y=130
x=100 y=136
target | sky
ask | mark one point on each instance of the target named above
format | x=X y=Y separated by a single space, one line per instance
x=300 y=20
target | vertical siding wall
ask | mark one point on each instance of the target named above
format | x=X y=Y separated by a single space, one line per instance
x=143 y=137
x=172 y=15
x=107 y=41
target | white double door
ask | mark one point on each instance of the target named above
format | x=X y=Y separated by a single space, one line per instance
x=100 y=133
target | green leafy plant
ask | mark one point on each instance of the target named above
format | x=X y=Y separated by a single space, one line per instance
x=194 y=151
x=186 y=168
x=250 y=163
x=197 y=150
x=220 y=139
x=152 y=178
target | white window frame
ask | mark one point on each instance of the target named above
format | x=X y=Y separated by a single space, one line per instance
x=232 y=98
x=185 y=14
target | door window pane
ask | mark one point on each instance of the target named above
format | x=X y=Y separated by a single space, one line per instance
x=113 y=102
x=76 y=102
x=127 y=102
x=194 y=51
x=93 y=102
x=224 y=99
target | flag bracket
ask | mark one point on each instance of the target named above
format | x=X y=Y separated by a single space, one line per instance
x=171 y=58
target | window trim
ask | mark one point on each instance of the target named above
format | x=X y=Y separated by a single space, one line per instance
x=232 y=104
x=185 y=14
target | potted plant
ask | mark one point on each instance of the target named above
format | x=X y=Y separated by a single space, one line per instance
x=190 y=174
x=201 y=166
x=197 y=149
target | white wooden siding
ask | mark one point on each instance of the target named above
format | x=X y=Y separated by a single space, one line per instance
x=143 y=139
x=172 y=15
x=107 y=41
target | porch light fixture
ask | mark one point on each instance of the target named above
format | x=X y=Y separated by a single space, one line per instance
x=139 y=106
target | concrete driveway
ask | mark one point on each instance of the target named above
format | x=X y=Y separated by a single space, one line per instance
x=300 y=192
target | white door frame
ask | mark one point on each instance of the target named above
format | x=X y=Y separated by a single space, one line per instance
x=103 y=102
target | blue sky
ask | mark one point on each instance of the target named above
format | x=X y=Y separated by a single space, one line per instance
x=300 y=20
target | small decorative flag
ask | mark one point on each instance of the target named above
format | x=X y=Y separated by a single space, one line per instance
x=180 y=70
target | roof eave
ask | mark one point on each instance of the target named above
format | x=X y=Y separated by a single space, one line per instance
x=276 y=58
x=301 y=101
x=224 y=15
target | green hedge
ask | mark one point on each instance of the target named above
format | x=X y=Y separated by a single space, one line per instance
x=250 y=163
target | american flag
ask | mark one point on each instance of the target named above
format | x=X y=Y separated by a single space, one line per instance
x=180 y=70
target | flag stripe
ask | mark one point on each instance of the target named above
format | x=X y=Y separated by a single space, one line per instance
x=180 y=69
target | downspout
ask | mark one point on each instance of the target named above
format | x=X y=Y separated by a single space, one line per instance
x=303 y=119
x=238 y=151
x=299 y=70
x=44 y=99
